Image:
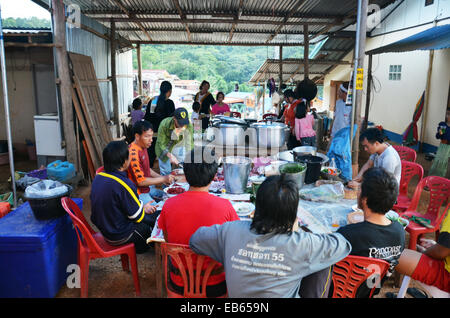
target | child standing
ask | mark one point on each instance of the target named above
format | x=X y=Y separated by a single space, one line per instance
x=304 y=126
x=137 y=114
x=195 y=111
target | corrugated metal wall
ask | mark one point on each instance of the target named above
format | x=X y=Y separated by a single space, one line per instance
x=86 y=43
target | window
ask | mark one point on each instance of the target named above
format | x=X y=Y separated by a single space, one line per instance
x=428 y=2
x=395 y=72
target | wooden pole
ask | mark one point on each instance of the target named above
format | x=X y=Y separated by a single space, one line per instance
x=114 y=78
x=368 y=91
x=65 y=83
x=359 y=64
x=281 y=69
x=139 y=61
x=306 y=51
x=427 y=99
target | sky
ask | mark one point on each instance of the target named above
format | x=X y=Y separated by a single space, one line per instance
x=22 y=9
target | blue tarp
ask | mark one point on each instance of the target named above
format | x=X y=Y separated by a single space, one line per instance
x=435 y=38
x=340 y=150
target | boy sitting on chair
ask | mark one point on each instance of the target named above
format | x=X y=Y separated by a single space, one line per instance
x=116 y=210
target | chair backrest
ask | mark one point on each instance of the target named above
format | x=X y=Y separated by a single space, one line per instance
x=409 y=170
x=439 y=189
x=353 y=271
x=81 y=225
x=194 y=277
x=406 y=153
x=235 y=114
x=100 y=169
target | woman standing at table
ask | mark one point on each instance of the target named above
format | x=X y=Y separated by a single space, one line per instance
x=206 y=100
x=164 y=108
x=220 y=108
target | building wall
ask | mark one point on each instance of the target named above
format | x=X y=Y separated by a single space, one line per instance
x=393 y=102
x=21 y=93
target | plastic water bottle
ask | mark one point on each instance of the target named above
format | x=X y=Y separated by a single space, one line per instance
x=333 y=163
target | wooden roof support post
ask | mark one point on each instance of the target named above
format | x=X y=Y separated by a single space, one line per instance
x=306 y=50
x=281 y=70
x=65 y=83
x=368 y=91
x=360 y=46
x=139 y=61
x=115 y=96
x=427 y=99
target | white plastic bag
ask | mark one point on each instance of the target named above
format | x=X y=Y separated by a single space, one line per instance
x=45 y=189
x=324 y=193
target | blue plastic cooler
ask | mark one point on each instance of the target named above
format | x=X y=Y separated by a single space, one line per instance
x=34 y=255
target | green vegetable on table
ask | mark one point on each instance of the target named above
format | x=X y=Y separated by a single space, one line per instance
x=292 y=169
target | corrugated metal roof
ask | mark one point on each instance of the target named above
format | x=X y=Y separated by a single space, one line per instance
x=435 y=38
x=263 y=22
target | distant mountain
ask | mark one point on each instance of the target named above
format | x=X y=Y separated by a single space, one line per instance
x=31 y=23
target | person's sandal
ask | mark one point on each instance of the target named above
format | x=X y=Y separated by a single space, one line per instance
x=416 y=293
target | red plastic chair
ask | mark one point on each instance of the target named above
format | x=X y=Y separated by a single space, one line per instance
x=100 y=169
x=194 y=277
x=353 y=271
x=406 y=153
x=235 y=114
x=409 y=170
x=269 y=115
x=92 y=245
x=439 y=189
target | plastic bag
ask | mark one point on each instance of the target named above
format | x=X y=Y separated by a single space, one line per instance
x=324 y=193
x=45 y=189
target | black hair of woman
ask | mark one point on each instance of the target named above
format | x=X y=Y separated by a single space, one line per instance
x=163 y=89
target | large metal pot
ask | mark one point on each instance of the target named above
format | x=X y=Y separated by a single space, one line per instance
x=299 y=176
x=269 y=134
x=229 y=134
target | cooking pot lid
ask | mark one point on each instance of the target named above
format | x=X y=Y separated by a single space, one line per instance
x=268 y=125
x=232 y=120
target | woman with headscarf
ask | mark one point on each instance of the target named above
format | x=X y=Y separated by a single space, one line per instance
x=164 y=108
x=206 y=100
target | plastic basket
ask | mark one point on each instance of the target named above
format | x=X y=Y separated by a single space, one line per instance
x=7 y=197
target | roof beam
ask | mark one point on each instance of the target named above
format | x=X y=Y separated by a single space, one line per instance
x=183 y=18
x=277 y=14
x=285 y=20
x=223 y=21
x=236 y=18
x=219 y=43
x=125 y=10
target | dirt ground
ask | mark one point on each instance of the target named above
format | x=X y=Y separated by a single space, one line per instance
x=108 y=280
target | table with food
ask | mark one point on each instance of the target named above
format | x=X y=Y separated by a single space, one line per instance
x=325 y=205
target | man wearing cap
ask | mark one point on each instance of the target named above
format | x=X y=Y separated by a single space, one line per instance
x=342 y=114
x=175 y=137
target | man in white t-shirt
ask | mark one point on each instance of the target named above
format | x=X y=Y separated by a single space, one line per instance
x=382 y=155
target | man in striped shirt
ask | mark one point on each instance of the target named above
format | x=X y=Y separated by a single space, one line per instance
x=116 y=209
x=139 y=170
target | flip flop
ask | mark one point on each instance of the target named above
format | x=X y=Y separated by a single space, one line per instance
x=391 y=295
x=416 y=293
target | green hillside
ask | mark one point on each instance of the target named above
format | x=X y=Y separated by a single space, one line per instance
x=222 y=66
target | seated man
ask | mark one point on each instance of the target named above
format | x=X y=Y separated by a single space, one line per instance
x=116 y=210
x=139 y=171
x=270 y=256
x=433 y=266
x=382 y=155
x=183 y=214
x=376 y=236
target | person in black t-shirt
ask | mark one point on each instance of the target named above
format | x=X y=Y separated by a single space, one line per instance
x=164 y=108
x=376 y=236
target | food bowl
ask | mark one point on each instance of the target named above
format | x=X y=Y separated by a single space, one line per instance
x=243 y=208
x=176 y=189
x=330 y=173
